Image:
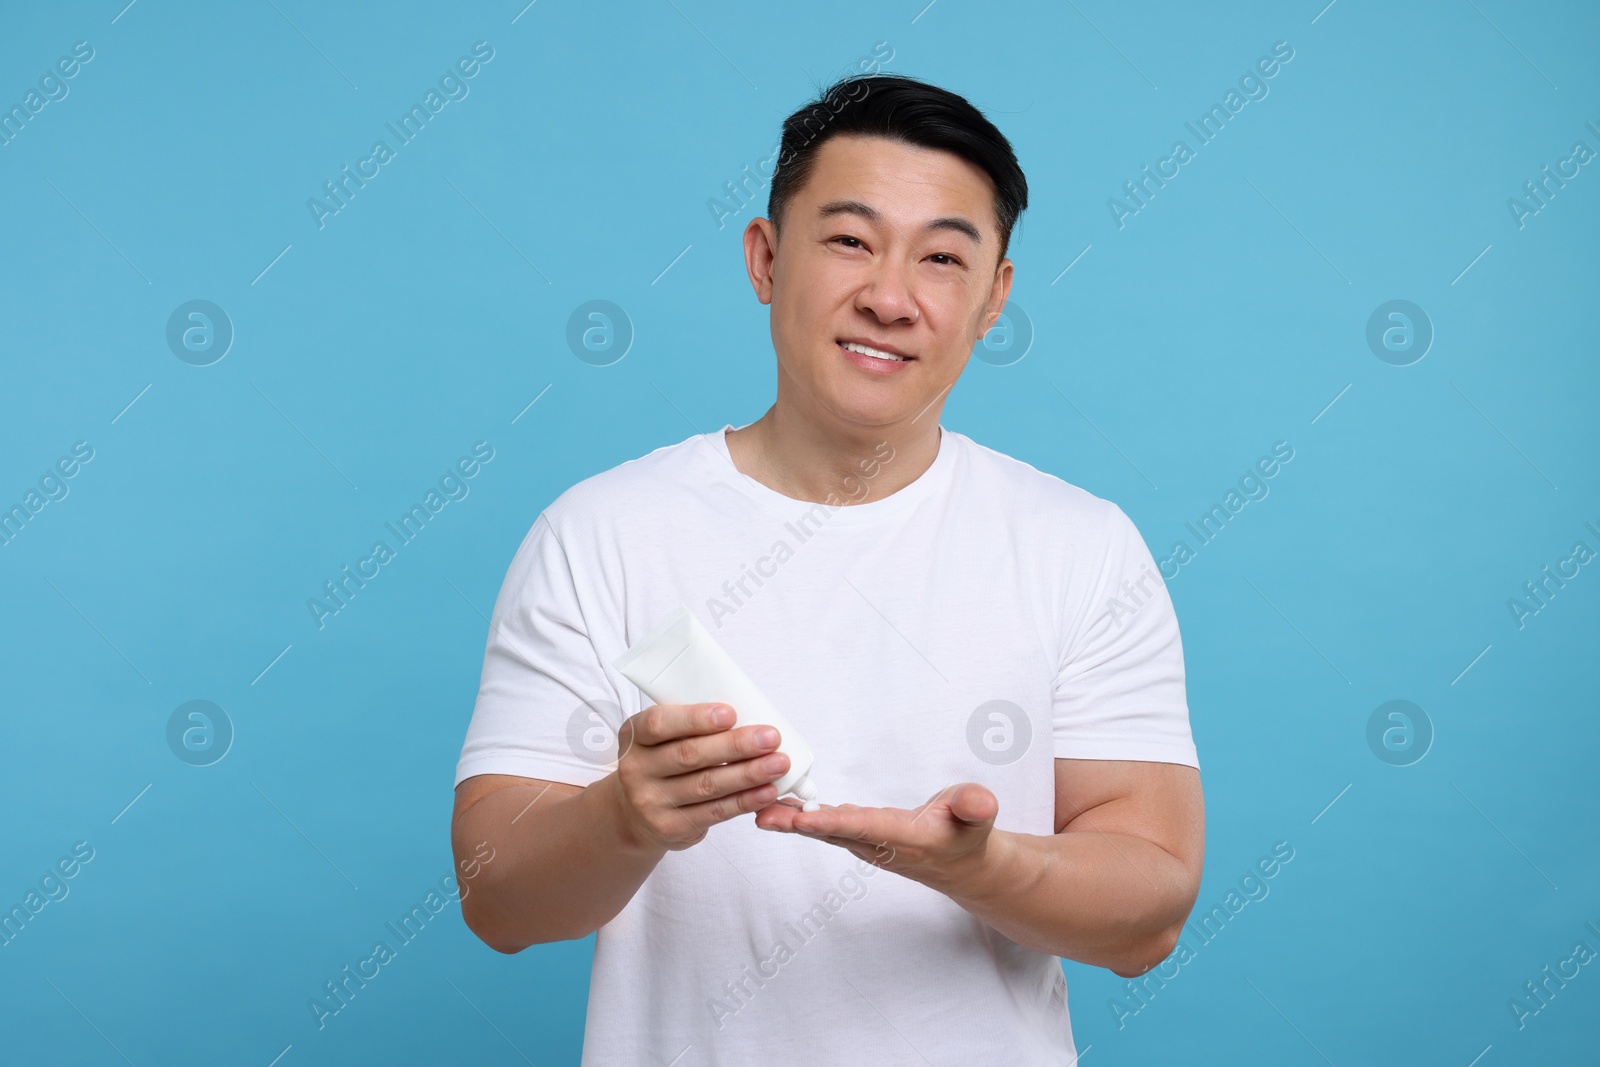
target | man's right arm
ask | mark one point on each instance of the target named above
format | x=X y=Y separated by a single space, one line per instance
x=568 y=858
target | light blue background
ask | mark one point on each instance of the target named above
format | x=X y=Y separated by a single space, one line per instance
x=1223 y=317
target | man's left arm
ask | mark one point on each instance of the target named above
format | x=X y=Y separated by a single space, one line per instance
x=1112 y=887
x=1116 y=882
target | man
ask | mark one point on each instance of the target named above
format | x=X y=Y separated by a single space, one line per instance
x=937 y=618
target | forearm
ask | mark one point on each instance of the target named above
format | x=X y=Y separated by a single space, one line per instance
x=1105 y=899
x=563 y=865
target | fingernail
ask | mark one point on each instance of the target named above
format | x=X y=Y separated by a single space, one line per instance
x=774 y=763
x=722 y=715
x=766 y=737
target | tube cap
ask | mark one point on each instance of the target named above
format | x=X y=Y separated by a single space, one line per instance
x=805 y=789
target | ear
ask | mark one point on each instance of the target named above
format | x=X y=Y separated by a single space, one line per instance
x=998 y=293
x=760 y=254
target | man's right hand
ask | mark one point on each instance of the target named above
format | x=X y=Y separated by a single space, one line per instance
x=683 y=769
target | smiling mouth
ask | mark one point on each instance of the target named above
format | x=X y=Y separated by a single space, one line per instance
x=868 y=350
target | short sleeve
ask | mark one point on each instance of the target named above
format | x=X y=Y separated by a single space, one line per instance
x=545 y=708
x=1119 y=690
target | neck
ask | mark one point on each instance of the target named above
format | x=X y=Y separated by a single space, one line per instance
x=839 y=463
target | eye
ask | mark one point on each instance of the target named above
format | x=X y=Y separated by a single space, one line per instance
x=950 y=260
x=845 y=237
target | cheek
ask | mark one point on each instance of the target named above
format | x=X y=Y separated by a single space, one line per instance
x=803 y=347
x=953 y=328
x=811 y=314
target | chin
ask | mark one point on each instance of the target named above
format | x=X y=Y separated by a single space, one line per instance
x=870 y=408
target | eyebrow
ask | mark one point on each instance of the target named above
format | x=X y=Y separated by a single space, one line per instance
x=871 y=214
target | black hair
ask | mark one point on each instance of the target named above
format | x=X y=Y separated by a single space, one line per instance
x=903 y=109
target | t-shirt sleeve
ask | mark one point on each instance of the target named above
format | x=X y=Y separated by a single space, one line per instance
x=1119 y=691
x=545 y=708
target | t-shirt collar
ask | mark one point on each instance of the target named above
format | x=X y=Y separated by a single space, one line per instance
x=873 y=509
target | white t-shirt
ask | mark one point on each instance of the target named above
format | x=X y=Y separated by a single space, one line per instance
x=975 y=625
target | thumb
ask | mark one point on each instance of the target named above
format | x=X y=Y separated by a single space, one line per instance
x=972 y=803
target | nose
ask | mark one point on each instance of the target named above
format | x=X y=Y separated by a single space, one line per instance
x=887 y=292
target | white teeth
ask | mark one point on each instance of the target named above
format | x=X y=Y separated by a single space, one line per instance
x=873 y=352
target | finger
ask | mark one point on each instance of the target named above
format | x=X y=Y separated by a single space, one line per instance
x=688 y=754
x=711 y=812
x=973 y=804
x=778 y=815
x=860 y=824
x=711 y=783
x=664 y=722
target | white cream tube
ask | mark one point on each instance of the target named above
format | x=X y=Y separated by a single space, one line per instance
x=679 y=662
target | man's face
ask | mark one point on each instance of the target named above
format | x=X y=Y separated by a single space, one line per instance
x=891 y=246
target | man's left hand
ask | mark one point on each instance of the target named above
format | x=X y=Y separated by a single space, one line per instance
x=943 y=844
